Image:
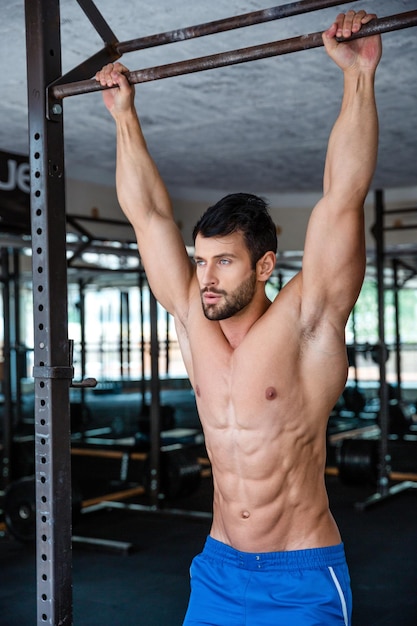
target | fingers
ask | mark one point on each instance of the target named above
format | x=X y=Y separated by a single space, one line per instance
x=112 y=75
x=351 y=22
x=356 y=54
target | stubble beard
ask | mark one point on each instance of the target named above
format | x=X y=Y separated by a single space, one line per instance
x=232 y=303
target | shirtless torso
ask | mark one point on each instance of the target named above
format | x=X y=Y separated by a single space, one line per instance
x=264 y=405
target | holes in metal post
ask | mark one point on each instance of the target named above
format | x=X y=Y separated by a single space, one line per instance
x=40 y=289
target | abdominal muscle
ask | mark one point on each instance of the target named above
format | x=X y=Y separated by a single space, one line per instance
x=264 y=416
x=269 y=492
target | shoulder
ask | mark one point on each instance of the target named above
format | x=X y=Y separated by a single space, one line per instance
x=289 y=300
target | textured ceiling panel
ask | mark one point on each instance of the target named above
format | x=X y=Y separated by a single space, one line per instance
x=260 y=126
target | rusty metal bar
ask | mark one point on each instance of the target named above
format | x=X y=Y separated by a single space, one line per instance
x=242 y=55
x=229 y=23
x=97 y=20
x=114 y=49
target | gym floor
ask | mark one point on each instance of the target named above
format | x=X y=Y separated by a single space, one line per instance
x=149 y=586
x=146 y=581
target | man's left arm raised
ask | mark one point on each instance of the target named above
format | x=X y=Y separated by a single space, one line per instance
x=334 y=255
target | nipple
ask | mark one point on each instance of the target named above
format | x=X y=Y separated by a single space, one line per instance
x=245 y=514
x=270 y=393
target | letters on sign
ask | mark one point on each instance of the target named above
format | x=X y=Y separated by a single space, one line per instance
x=17 y=177
x=14 y=193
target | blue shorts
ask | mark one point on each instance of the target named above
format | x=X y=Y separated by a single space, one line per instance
x=295 y=588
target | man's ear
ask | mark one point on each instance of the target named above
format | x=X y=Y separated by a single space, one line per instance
x=265 y=266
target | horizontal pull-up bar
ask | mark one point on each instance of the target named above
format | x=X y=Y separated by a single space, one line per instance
x=114 y=49
x=243 y=55
x=229 y=23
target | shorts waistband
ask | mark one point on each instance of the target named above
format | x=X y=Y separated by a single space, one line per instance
x=310 y=558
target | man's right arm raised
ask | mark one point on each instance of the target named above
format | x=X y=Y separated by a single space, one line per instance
x=144 y=199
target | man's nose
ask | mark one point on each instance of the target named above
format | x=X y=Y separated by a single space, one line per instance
x=209 y=276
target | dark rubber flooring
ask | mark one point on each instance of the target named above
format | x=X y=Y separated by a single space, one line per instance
x=149 y=586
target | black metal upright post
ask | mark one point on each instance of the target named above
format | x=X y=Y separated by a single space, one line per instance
x=384 y=491
x=20 y=351
x=396 y=290
x=121 y=337
x=124 y=339
x=128 y=351
x=141 y=280
x=52 y=368
x=155 y=420
x=6 y=467
x=83 y=343
x=383 y=481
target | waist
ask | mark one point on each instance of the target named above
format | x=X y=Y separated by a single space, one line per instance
x=310 y=558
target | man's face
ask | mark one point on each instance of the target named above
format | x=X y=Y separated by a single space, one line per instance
x=225 y=275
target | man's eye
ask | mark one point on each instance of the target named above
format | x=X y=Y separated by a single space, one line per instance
x=224 y=261
x=199 y=262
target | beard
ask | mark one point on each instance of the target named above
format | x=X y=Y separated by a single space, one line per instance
x=232 y=303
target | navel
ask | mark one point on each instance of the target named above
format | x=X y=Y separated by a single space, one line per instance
x=245 y=514
x=270 y=393
x=197 y=390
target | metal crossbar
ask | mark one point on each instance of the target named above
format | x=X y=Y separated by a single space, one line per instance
x=229 y=23
x=242 y=55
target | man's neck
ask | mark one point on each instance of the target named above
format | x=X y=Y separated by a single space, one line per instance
x=237 y=327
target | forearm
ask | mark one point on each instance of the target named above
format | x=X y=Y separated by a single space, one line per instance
x=140 y=188
x=353 y=144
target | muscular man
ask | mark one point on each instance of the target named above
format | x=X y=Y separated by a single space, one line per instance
x=266 y=375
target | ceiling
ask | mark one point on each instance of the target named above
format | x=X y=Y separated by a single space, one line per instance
x=259 y=126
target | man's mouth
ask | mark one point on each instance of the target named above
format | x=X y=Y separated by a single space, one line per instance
x=211 y=297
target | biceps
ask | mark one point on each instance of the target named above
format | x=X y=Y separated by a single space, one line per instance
x=168 y=268
x=334 y=260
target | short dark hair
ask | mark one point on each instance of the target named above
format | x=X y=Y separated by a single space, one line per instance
x=245 y=213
